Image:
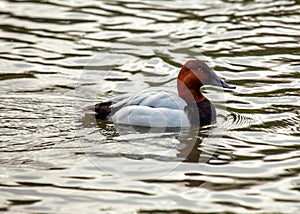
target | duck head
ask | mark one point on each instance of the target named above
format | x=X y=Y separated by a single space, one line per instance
x=192 y=76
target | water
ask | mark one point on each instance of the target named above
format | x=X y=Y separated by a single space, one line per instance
x=60 y=56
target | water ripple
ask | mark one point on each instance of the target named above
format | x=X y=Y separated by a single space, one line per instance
x=58 y=56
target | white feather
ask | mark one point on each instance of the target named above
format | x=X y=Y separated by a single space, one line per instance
x=155 y=108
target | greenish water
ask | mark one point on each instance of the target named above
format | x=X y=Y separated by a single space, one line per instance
x=58 y=57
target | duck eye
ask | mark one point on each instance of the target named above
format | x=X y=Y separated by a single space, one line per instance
x=200 y=70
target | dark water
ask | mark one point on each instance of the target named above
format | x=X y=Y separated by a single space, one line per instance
x=60 y=56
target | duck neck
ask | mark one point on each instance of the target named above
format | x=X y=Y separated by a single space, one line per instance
x=201 y=113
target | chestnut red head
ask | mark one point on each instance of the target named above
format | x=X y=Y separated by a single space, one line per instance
x=192 y=76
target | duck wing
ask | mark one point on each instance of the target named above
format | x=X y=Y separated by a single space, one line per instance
x=155 y=108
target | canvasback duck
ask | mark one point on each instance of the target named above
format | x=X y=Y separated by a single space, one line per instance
x=187 y=107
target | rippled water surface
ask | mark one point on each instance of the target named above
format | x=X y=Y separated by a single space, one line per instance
x=59 y=56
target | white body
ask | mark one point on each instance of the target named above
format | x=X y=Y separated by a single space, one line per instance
x=155 y=108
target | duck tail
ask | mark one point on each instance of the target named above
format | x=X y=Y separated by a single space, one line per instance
x=100 y=110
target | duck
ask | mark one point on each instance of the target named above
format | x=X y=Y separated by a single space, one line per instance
x=158 y=107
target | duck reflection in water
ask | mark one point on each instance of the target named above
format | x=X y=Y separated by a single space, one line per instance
x=197 y=144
